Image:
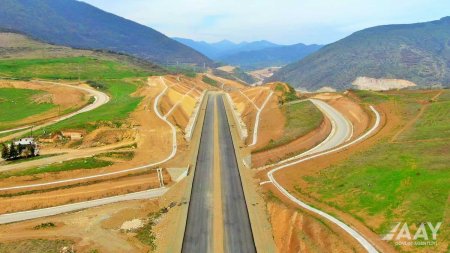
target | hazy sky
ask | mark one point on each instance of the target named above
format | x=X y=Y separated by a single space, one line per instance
x=280 y=21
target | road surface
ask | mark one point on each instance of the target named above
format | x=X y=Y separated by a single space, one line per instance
x=238 y=235
x=341 y=132
x=199 y=225
x=100 y=99
x=46 y=212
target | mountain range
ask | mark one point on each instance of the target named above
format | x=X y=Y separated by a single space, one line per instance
x=251 y=55
x=419 y=53
x=269 y=57
x=80 y=25
x=221 y=49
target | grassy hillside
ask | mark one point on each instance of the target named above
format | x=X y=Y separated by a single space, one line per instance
x=80 y=25
x=404 y=180
x=81 y=67
x=417 y=52
x=14 y=46
x=119 y=76
x=237 y=75
x=77 y=164
x=118 y=109
x=17 y=104
x=301 y=118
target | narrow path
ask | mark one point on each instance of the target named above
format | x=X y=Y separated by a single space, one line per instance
x=330 y=145
x=178 y=102
x=258 y=115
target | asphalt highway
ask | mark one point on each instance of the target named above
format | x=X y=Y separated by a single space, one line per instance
x=199 y=225
x=238 y=236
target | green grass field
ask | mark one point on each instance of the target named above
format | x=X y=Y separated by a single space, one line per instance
x=301 y=118
x=115 y=111
x=72 y=68
x=115 y=78
x=18 y=104
x=35 y=246
x=77 y=164
x=210 y=81
x=407 y=181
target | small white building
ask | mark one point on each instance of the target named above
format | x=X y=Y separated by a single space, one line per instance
x=28 y=142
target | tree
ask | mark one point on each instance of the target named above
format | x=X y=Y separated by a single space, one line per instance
x=13 y=151
x=20 y=149
x=5 y=151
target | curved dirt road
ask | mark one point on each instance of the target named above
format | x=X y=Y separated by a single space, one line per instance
x=100 y=99
x=341 y=132
x=170 y=156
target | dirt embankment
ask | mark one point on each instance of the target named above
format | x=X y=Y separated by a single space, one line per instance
x=271 y=124
x=66 y=195
x=367 y=83
x=94 y=228
x=293 y=148
x=297 y=231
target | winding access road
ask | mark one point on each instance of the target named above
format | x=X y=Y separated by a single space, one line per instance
x=100 y=99
x=337 y=140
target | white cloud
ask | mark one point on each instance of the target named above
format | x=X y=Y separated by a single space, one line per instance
x=282 y=21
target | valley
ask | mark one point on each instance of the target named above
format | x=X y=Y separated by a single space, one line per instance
x=117 y=138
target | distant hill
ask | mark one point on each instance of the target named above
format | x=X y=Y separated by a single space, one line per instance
x=251 y=55
x=224 y=48
x=15 y=46
x=268 y=57
x=77 y=24
x=415 y=52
